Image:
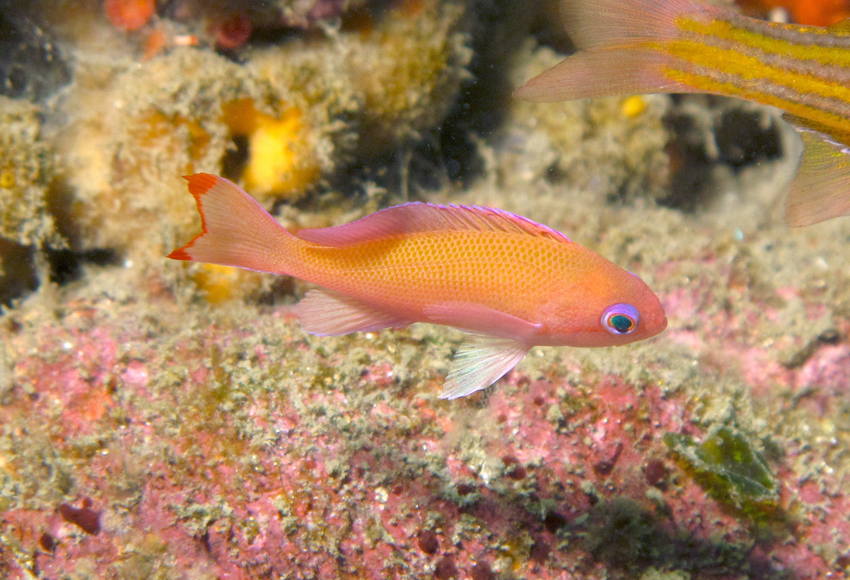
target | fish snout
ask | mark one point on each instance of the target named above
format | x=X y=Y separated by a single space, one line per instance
x=654 y=322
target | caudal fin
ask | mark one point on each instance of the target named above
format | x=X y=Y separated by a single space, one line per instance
x=237 y=231
x=622 y=49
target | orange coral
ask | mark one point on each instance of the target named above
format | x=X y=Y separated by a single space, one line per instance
x=129 y=14
x=816 y=12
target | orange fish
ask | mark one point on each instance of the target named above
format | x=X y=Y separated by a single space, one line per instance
x=511 y=282
x=681 y=46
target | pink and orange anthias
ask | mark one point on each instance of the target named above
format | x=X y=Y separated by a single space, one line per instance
x=511 y=283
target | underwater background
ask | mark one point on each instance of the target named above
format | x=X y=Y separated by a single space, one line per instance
x=169 y=420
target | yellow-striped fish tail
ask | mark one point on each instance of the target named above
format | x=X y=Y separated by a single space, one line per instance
x=623 y=49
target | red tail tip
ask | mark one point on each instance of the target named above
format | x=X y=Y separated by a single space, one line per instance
x=180 y=254
x=201 y=183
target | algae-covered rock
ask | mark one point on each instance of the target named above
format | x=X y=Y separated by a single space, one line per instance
x=365 y=90
x=25 y=172
x=317 y=115
x=157 y=122
x=272 y=13
x=190 y=111
x=409 y=68
x=279 y=122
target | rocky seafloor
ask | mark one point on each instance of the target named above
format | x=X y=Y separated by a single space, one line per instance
x=163 y=421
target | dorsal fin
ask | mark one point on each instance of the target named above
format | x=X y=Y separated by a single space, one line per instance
x=417 y=217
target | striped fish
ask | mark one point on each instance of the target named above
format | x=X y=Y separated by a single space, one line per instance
x=680 y=46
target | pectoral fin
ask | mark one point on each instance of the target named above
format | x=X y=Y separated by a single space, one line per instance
x=480 y=362
x=821 y=190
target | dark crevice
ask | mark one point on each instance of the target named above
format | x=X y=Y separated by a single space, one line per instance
x=67 y=265
x=719 y=133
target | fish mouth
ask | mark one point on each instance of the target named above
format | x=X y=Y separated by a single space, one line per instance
x=657 y=326
x=662 y=325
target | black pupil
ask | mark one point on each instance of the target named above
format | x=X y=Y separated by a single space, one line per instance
x=621 y=323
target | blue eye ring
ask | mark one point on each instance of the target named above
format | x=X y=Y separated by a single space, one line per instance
x=620 y=319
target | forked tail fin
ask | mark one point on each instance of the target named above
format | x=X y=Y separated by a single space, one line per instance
x=237 y=231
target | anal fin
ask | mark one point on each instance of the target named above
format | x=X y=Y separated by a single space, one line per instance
x=480 y=362
x=328 y=313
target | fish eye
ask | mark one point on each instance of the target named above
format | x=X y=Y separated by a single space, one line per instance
x=620 y=319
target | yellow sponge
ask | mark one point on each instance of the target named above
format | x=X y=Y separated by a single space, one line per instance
x=280 y=159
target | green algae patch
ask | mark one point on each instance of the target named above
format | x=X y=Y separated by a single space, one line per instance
x=729 y=467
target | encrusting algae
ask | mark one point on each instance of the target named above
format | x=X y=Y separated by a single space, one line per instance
x=26 y=171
